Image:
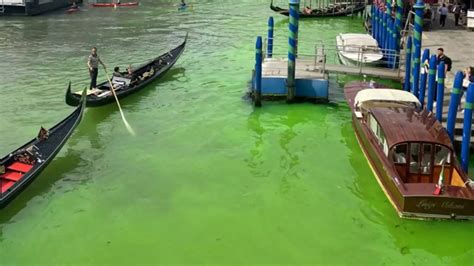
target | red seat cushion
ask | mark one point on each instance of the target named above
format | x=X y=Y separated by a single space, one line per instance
x=12 y=176
x=5 y=185
x=20 y=167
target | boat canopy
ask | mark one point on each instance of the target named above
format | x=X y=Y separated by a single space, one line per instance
x=372 y=98
x=358 y=39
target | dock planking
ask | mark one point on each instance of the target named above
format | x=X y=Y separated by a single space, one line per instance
x=307 y=67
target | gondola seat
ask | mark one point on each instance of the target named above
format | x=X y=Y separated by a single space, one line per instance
x=12 y=176
x=5 y=185
x=20 y=167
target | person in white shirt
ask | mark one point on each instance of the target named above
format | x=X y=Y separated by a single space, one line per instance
x=443 y=13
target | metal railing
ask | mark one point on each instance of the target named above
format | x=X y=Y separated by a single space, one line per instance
x=358 y=56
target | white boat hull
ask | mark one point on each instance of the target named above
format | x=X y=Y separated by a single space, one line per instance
x=362 y=49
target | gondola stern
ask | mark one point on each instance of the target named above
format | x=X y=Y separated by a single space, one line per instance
x=83 y=102
x=71 y=100
x=83 y=97
x=185 y=39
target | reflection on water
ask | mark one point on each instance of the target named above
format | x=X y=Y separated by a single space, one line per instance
x=273 y=120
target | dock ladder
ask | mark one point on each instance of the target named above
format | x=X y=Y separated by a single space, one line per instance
x=320 y=57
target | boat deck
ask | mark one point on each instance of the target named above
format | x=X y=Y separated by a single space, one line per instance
x=310 y=69
x=305 y=69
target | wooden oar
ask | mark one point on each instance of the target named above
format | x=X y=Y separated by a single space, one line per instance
x=127 y=125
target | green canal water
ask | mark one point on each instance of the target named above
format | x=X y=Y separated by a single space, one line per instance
x=208 y=179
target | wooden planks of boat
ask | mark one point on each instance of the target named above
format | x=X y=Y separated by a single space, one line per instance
x=23 y=165
x=129 y=84
x=410 y=154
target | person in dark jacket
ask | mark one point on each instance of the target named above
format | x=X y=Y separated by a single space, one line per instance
x=457 y=14
x=443 y=58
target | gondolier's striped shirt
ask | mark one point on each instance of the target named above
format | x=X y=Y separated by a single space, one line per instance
x=93 y=61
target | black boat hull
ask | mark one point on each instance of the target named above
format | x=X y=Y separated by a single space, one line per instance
x=49 y=148
x=285 y=12
x=170 y=58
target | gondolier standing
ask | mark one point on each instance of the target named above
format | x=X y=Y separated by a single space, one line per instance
x=93 y=64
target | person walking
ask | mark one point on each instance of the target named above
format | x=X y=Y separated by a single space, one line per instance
x=433 y=11
x=457 y=14
x=443 y=13
x=93 y=64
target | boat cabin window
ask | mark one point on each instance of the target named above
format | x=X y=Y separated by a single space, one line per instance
x=421 y=157
x=426 y=159
x=400 y=154
x=442 y=154
x=414 y=158
x=378 y=132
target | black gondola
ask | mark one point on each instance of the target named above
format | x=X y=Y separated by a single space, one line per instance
x=337 y=10
x=130 y=84
x=23 y=165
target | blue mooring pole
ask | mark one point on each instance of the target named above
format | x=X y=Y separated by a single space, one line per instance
x=406 y=85
x=454 y=103
x=380 y=27
x=292 y=48
x=440 y=92
x=419 y=11
x=384 y=31
x=431 y=83
x=395 y=50
x=258 y=72
x=372 y=11
x=388 y=37
x=378 y=23
x=270 y=37
x=388 y=41
x=466 y=133
x=398 y=25
x=424 y=76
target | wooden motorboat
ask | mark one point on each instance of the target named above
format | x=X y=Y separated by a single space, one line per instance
x=128 y=84
x=358 y=48
x=115 y=4
x=336 y=10
x=410 y=154
x=20 y=167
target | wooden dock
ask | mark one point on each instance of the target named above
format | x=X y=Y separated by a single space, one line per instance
x=310 y=68
x=278 y=67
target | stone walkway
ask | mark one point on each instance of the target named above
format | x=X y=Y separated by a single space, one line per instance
x=457 y=42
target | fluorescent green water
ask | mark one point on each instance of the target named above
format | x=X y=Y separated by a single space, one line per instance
x=207 y=179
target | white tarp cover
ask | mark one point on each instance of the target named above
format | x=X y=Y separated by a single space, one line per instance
x=12 y=2
x=389 y=97
x=358 y=39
